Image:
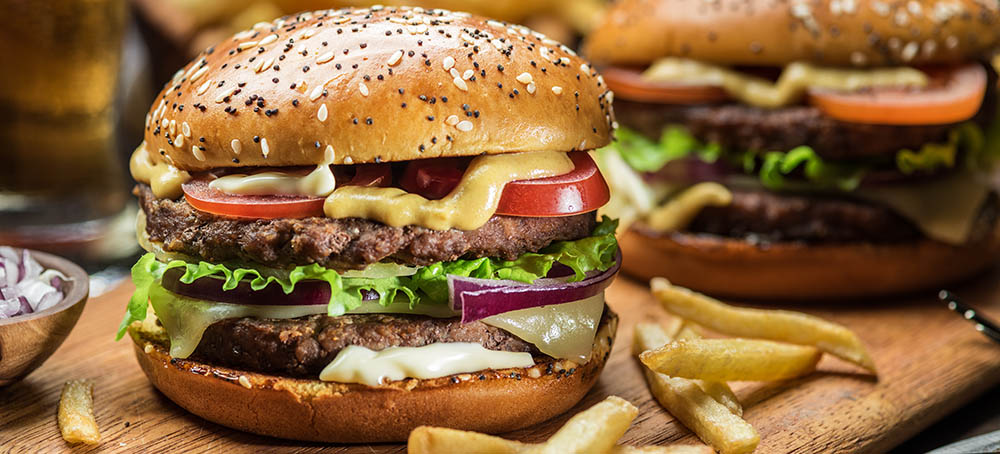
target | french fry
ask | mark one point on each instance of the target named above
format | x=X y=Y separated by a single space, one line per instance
x=732 y=359
x=439 y=440
x=777 y=325
x=720 y=391
x=76 y=413
x=647 y=336
x=595 y=430
x=674 y=449
x=712 y=421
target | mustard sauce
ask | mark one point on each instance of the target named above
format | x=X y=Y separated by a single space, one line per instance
x=163 y=178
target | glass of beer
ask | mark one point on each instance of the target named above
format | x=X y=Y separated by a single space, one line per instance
x=61 y=181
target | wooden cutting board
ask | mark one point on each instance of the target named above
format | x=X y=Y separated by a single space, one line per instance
x=930 y=363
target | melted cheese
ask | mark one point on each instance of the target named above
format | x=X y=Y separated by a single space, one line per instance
x=680 y=210
x=163 y=178
x=185 y=319
x=356 y=364
x=318 y=183
x=791 y=85
x=469 y=205
x=561 y=331
x=944 y=209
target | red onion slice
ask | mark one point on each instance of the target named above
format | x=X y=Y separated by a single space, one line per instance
x=477 y=299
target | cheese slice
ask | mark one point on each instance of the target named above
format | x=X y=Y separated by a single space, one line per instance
x=355 y=364
x=561 y=330
x=943 y=209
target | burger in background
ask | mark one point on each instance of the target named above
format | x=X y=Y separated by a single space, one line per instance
x=365 y=220
x=801 y=149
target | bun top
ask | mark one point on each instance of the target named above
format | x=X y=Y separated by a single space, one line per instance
x=377 y=85
x=775 y=33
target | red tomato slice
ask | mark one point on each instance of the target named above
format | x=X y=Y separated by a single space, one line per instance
x=433 y=178
x=579 y=191
x=953 y=95
x=627 y=83
x=203 y=197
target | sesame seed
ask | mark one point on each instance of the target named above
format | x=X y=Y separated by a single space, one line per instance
x=224 y=95
x=468 y=74
x=464 y=125
x=448 y=63
x=244 y=381
x=452 y=120
x=557 y=89
x=263 y=147
x=197 y=75
x=531 y=88
x=460 y=84
x=186 y=129
x=910 y=50
x=237 y=146
x=454 y=73
x=316 y=93
x=348 y=160
x=246 y=45
x=396 y=56
x=322 y=113
x=203 y=88
x=268 y=40
x=197 y=153
x=324 y=58
x=179 y=141
x=363 y=88
x=584 y=68
x=524 y=78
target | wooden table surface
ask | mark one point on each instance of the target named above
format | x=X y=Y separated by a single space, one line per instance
x=930 y=362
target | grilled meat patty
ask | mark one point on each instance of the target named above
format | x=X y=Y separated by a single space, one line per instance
x=341 y=244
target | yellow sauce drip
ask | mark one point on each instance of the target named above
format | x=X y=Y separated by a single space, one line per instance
x=682 y=208
x=318 y=183
x=791 y=85
x=163 y=178
x=469 y=205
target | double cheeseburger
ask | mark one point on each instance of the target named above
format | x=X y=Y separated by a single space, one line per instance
x=803 y=149
x=364 y=220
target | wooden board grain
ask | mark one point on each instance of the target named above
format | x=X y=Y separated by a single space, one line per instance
x=930 y=363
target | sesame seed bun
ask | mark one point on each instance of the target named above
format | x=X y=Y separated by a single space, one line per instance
x=492 y=401
x=377 y=85
x=769 y=33
x=734 y=268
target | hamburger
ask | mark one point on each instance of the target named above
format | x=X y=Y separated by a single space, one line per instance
x=803 y=149
x=364 y=220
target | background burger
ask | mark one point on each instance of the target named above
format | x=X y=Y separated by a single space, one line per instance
x=803 y=149
x=361 y=221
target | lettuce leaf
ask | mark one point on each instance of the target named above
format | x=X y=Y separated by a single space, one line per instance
x=644 y=155
x=429 y=285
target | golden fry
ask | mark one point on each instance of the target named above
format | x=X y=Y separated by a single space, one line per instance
x=439 y=440
x=732 y=359
x=720 y=391
x=672 y=449
x=777 y=325
x=76 y=413
x=593 y=431
x=712 y=421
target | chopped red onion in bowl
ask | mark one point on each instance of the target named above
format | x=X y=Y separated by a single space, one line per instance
x=25 y=285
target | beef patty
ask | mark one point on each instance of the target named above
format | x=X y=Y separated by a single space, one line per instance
x=304 y=346
x=742 y=127
x=775 y=217
x=350 y=243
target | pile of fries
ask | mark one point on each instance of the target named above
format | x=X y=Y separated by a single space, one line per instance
x=592 y=431
x=687 y=374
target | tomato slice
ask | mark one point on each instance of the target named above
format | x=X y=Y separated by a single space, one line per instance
x=627 y=83
x=205 y=198
x=579 y=191
x=433 y=178
x=953 y=95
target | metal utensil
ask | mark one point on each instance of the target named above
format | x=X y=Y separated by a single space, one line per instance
x=983 y=324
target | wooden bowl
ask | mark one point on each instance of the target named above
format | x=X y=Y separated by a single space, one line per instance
x=26 y=341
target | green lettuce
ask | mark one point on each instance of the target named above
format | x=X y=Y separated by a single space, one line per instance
x=771 y=167
x=429 y=285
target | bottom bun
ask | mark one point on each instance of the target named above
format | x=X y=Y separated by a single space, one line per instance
x=733 y=268
x=491 y=401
